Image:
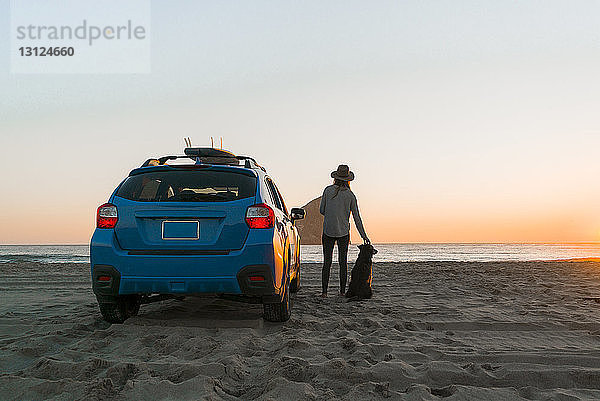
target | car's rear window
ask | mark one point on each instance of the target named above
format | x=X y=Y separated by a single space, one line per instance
x=188 y=186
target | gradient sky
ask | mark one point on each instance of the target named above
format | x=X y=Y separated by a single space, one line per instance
x=464 y=121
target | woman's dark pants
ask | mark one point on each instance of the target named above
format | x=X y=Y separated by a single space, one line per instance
x=342 y=243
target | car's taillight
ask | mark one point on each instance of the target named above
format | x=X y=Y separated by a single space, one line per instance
x=106 y=217
x=260 y=216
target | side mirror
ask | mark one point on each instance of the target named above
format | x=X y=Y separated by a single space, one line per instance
x=297 y=213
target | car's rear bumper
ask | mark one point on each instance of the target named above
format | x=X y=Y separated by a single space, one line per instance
x=181 y=274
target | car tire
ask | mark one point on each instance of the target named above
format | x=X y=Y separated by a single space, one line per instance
x=295 y=283
x=280 y=311
x=124 y=307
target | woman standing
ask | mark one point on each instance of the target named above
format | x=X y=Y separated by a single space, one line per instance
x=336 y=204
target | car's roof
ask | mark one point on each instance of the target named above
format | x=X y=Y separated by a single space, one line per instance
x=196 y=167
x=202 y=158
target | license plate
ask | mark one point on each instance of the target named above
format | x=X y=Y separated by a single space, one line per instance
x=180 y=230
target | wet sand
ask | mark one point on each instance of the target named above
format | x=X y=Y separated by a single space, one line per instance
x=455 y=331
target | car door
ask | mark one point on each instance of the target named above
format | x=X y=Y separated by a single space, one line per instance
x=291 y=230
x=282 y=227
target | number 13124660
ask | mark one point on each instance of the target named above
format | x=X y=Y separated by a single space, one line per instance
x=46 y=51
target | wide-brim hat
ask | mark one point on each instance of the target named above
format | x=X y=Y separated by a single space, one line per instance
x=343 y=173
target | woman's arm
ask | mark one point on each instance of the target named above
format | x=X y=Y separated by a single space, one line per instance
x=357 y=219
x=322 y=205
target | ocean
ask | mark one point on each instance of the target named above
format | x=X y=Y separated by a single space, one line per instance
x=386 y=252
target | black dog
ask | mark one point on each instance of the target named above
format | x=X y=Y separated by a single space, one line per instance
x=362 y=274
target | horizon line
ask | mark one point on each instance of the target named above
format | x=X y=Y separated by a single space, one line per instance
x=378 y=243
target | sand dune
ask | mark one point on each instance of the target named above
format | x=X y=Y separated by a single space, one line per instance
x=455 y=331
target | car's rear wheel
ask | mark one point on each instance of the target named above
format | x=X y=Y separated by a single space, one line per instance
x=123 y=307
x=280 y=311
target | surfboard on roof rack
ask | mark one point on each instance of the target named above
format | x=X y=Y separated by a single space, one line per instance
x=207 y=156
x=212 y=156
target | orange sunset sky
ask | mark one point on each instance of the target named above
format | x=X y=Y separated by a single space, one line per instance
x=463 y=121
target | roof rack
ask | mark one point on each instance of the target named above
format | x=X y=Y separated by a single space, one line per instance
x=249 y=162
x=208 y=156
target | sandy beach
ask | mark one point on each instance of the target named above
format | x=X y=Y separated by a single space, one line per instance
x=434 y=330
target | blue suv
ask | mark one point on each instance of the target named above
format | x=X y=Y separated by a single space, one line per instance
x=205 y=222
